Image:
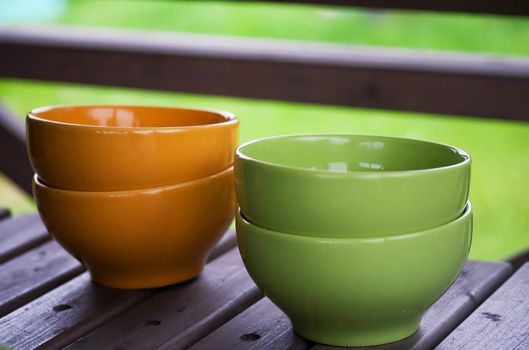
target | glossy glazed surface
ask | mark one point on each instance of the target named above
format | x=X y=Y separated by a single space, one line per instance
x=143 y=238
x=109 y=148
x=350 y=185
x=355 y=292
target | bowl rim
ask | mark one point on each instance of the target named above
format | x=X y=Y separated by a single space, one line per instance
x=230 y=117
x=38 y=182
x=468 y=212
x=467 y=159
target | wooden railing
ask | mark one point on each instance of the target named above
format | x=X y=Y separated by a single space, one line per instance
x=503 y=7
x=457 y=84
x=397 y=79
x=13 y=159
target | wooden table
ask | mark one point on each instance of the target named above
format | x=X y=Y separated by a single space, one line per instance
x=48 y=301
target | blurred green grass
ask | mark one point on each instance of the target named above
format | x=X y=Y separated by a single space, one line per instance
x=425 y=30
x=500 y=187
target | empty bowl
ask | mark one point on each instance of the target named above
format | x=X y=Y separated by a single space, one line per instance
x=140 y=238
x=350 y=185
x=355 y=291
x=111 y=148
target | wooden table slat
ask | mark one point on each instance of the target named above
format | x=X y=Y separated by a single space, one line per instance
x=322 y=73
x=178 y=316
x=263 y=326
x=70 y=310
x=20 y=234
x=501 y=322
x=476 y=282
x=220 y=309
x=34 y=273
x=64 y=314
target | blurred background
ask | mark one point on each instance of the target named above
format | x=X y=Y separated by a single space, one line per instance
x=500 y=148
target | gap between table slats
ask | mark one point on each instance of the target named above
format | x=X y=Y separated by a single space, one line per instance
x=501 y=322
x=477 y=282
x=31 y=264
x=71 y=310
x=20 y=234
x=178 y=316
x=264 y=326
x=33 y=273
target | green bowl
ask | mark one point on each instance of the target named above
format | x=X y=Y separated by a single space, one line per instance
x=350 y=185
x=355 y=291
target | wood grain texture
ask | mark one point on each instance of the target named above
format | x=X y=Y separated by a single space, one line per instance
x=70 y=311
x=15 y=162
x=500 y=323
x=476 y=282
x=370 y=77
x=33 y=273
x=518 y=259
x=504 y=7
x=263 y=326
x=20 y=234
x=178 y=316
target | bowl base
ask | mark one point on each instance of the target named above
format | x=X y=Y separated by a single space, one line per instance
x=145 y=280
x=359 y=337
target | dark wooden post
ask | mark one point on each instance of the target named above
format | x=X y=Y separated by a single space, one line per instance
x=13 y=158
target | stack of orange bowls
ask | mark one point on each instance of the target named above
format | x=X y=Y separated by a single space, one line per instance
x=140 y=195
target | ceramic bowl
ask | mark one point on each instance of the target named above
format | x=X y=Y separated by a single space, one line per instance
x=111 y=148
x=141 y=238
x=350 y=185
x=355 y=291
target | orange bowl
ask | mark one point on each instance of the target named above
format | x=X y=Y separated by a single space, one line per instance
x=141 y=238
x=113 y=148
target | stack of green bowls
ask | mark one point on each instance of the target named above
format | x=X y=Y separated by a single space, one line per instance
x=354 y=237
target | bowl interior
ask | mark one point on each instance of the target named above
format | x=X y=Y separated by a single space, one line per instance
x=129 y=116
x=351 y=153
